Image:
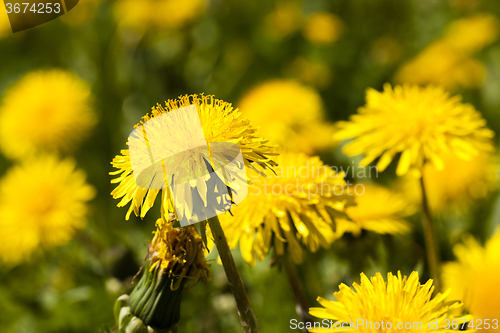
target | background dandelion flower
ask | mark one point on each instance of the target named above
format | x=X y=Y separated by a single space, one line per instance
x=475 y=278
x=287 y=112
x=294 y=208
x=378 y=209
x=399 y=300
x=143 y=14
x=220 y=123
x=458 y=185
x=45 y=111
x=420 y=123
x=323 y=28
x=43 y=202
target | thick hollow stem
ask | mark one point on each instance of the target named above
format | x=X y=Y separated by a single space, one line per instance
x=432 y=250
x=301 y=304
x=247 y=317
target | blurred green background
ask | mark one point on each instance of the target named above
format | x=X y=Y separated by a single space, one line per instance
x=224 y=48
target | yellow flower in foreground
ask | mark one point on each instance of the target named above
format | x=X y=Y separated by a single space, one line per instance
x=420 y=123
x=323 y=28
x=42 y=203
x=473 y=33
x=220 y=123
x=145 y=13
x=475 y=278
x=378 y=209
x=458 y=184
x=401 y=304
x=45 y=111
x=289 y=114
x=296 y=206
x=179 y=253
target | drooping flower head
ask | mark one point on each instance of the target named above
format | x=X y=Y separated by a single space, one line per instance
x=419 y=123
x=43 y=202
x=475 y=278
x=293 y=209
x=289 y=114
x=375 y=305
x=175 y=262
x=45 y=111
x=220 y=122
x=458 y=185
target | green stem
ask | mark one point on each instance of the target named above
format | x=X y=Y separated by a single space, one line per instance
x=301 y=304
x=432 y=250
x=247 y=317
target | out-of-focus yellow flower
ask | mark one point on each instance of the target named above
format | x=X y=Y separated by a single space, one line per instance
x=475 y=279
x=163 y=14
x=448 y=62
x=386 y=50
x=420 y=123
x=287 y=113
x=382 y=306
x=311 y=72
x=323 y=28
x=295 y=207
x=45 y=111
x=42 y=203
x=285 y=19
x=473 y=33
x=378 y=209
x=5 y=28
x=443 y=65
x=220 y=123
x=458 y=184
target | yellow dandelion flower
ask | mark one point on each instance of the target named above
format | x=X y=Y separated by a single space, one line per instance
x=378 y=209
x=311 y=72
x=475 y=278
x=420 y=123
x=401 y=304
x=287 y=113
x=442 y=64
x=284 y=20
x=45 y=111
x=473 y=33
x=43 y=202
x=294 y=208
x=220 y=123
x=458 y=184
x=323 y=28
x=143 y=14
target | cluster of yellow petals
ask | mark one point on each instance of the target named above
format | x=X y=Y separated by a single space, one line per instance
x=399 y=300
x=421 y=124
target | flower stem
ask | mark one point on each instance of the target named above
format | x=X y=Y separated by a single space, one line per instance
x=247 y=317
x=432 y=250
x=301 y=304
